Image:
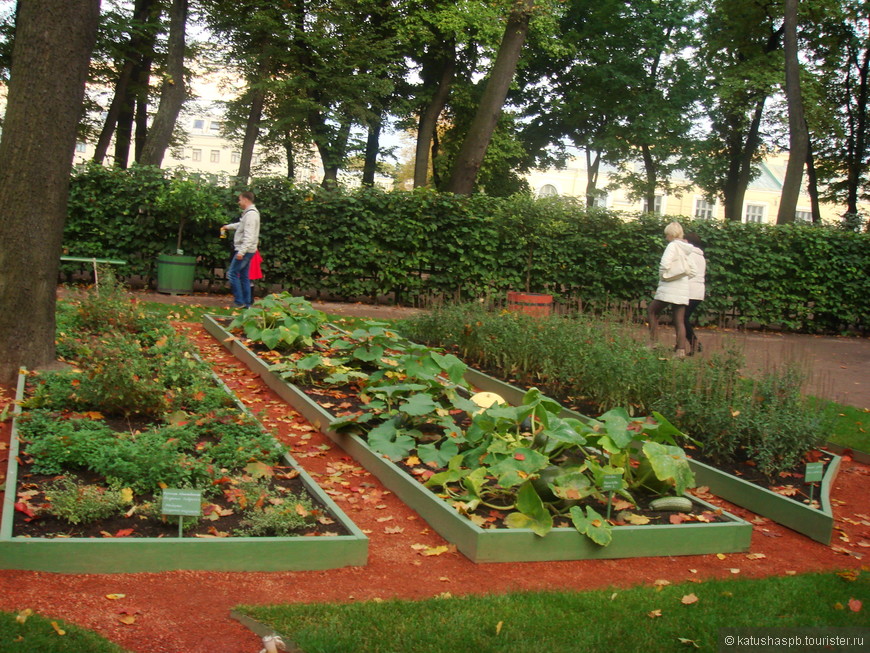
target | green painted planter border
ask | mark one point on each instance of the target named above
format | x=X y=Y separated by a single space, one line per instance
x=815 y=523
x=128 y=555
x=489 y=545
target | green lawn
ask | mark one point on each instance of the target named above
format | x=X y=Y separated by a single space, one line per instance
x=637 y=619
x=44 y=635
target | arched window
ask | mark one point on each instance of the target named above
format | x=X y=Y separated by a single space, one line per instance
x=548 y=190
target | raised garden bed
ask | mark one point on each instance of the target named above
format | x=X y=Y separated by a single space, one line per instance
x=815 y=523
x=152 y=554
x=499 y=545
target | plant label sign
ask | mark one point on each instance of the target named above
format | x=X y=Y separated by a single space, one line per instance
x=184 y=503
x=611 y=482
x=813 y=472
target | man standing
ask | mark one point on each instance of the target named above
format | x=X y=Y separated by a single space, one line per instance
x=245 y=243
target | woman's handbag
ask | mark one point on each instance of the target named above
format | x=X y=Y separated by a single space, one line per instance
x=680 y=267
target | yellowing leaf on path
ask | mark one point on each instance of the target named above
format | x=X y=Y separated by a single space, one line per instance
x=22 y=616
x=755 y=556
x=721 y=556
x=390 y=530
x=434 y=550
x=734 y=570
x=660 y=584
x=689 y=599
x=127 y=619
x=60 y=631
x=115 y=597
x=654 y=613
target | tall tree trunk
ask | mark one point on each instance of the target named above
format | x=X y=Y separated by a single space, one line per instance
x=141 y=118
x=36 y=151
x=858 y=160
x=741 y=153
x=173 y=93
x=140 y=41
x=798 y=139
x=813 y=186
x=290 y=153
x=429 y=117
x=124 y=129
x=373 y=146
x=649 y=166
x=331 y=148
x=593 y=165
x=470 y=157
x=252 y=131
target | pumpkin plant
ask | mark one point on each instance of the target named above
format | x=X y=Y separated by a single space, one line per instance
x=281 y=321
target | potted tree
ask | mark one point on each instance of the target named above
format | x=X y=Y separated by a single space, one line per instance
x=184 y=200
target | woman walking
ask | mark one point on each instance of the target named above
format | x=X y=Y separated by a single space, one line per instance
x=675 y=269
x=696 y=289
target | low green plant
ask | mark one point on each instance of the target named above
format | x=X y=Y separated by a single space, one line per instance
x=80 y=503
x=293 y=513
x=281 y=321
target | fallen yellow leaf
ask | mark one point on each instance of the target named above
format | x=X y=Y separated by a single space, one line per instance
x=127 y=619
x=60 y=631
x=498 y=627
x=115 y=597
x=21 y=617
x=689 y=599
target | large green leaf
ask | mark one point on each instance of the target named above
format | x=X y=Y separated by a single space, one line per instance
x=418 y=405
x=439 y=454
x=517 y=467
x=531 y=512
x=670 y=464
x=592 y=525
x=386 y=439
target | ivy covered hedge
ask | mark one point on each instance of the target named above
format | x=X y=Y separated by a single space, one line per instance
x=416 y=244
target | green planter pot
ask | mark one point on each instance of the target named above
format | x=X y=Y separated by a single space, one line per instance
x=129 y=555
x=175 y=274
x=815 y=523
x=501 y=545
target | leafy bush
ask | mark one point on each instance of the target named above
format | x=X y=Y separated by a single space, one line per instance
x=416 y=245
x=80 y=503
x=276 y=521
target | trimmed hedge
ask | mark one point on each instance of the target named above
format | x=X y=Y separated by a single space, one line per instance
x=415 y=245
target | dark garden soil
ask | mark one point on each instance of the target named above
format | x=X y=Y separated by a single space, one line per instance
x=189 y=610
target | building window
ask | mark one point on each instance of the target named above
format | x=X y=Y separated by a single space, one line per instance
x=704 y=210
x=196 y=155
x=81 y=147
x=548 y=190
x=215 y=127
x=215 y=156
x=199 y=125
x=599 y=199
x=754 y=213
x=235 y=157
x=803 y=216
x=657 y=208
x=255 y=159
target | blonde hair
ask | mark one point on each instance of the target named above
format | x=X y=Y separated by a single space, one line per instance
x=674 y=230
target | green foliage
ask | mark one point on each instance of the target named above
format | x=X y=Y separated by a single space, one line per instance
x=418 y=244
x=25 y=631
x=80 y=503
x=293 y=513
x=597 y=364
x=281 y=322
x=536 y=620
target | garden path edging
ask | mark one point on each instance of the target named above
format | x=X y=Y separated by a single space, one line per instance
x=503 y=545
